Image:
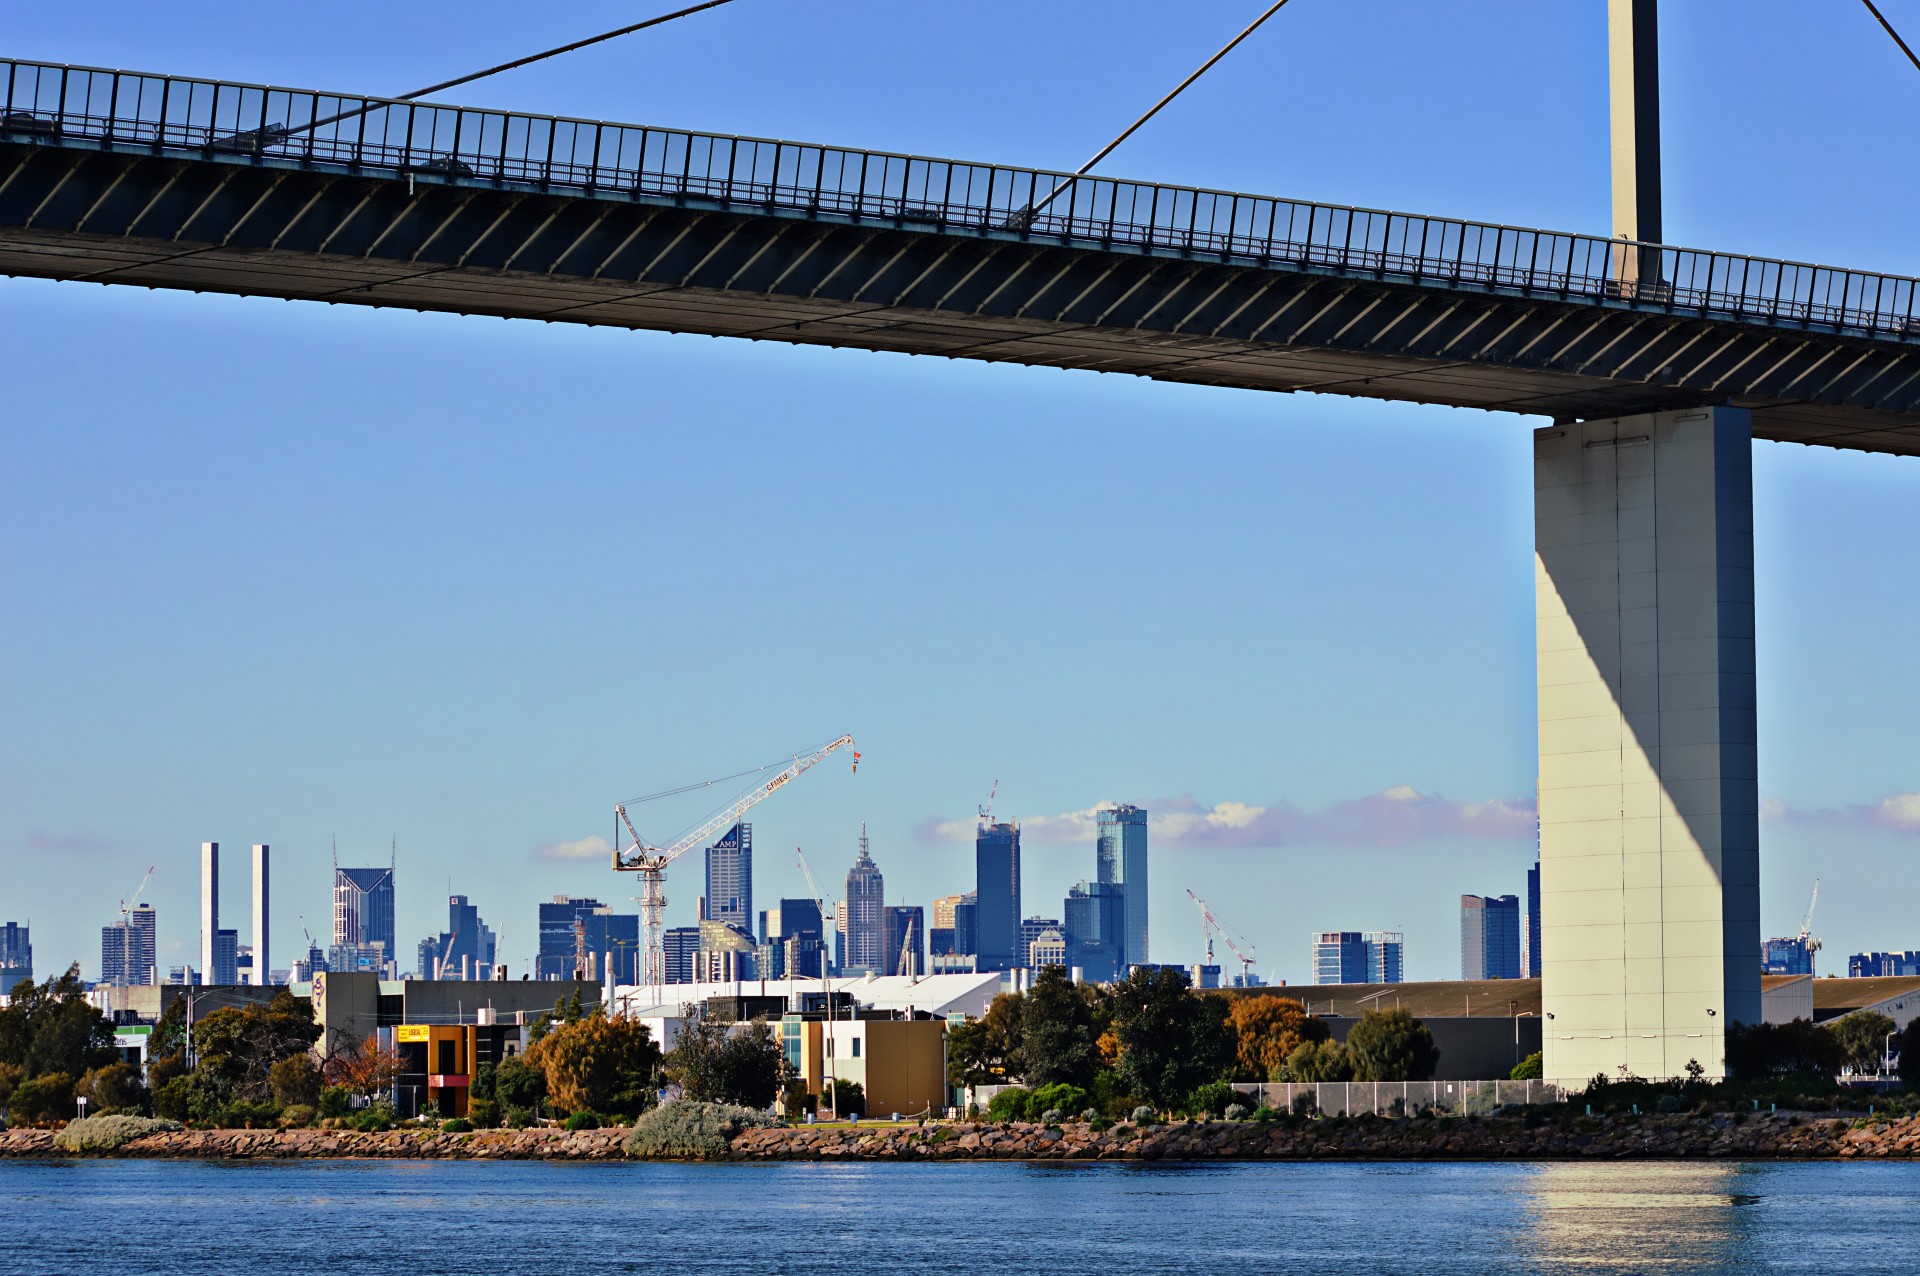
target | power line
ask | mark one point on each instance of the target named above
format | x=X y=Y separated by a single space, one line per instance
x=1881 y=18
x=1154 y=110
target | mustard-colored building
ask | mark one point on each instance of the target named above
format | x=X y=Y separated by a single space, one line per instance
x=900 y=1063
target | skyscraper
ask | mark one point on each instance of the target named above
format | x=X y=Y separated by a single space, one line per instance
x=680 y=954
x=862 y=910
x=16 y=956
x=1489 y=937
x=363 y=920
x=1386 y=956
x=127 y=950
x=730 y=878
x=797 y=935
x=464 y=950
x=1121 y=860
x=1093 y=918
x=262 y=964
x=1032 y=928
x=1533 y=922
x=226 y=958
x=209 y=906
x=577 y=931
x=904 y=940
x=996 y=868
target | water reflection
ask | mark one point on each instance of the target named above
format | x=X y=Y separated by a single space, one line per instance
x=1639 y=1216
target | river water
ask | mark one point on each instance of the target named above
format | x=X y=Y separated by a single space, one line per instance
x=371 y=1217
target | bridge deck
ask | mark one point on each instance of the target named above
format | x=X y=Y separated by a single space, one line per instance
x=117 y=177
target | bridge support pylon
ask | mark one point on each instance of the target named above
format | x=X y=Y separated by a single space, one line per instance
x=1649 y=796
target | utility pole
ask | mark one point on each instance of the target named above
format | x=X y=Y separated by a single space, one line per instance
x=1633 y=69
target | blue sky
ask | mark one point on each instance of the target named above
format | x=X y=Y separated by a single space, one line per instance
x=282 y=572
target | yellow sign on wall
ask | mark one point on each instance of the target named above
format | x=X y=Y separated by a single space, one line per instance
x=411 y=1032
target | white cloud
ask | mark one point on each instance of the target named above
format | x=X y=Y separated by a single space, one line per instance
x=584 y=848
x=1899 y=812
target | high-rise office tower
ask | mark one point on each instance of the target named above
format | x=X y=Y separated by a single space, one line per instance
x=680 y=954
x=262 y=966
x=1489 y=937
x=904 y=940
x=1121 y=860
x=996 y=867
x=730 y=878
x=1533 y=922
x=796 y=930
x=226 y=958
x=863 y=912
x=1094 y=918
x=363 y=920
x=209 y=905
x=128 y=954
x=1356 y=957
x=16 y=956
x=577 y=932
x=464 y=950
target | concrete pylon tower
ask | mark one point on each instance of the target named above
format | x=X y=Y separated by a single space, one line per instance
x=209 y=906
x=262 y=966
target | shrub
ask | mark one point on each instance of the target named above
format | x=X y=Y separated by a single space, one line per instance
x=800 y=1102
x=483 y=1112
x=1143 y=1115
x=1670 y=1103
x=114 y=1087
x=1391 y=1045
x=459 y=1125
x=1235 y=1112
x=1061 y=1096
x=1213 y=1098
x=335 y=1101
x=1304 y=1104
x=684 y=1129
x=294 y=1080
x=44 y=1098
x=1090 y=1114
x=241 y=1115
x=1531 y=1068
x=1052 y=1116
x=373 y=1121
x=108 y=1133
x=297 y=1116
x=517 y=1118
x=170 y=1098
x=518 y=1084
x=1265 y=1115
x=583 y=1121
x=1316 y=1061
x=1008 y=1105
x=849 y=1098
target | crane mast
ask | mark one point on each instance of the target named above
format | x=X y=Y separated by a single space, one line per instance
x=650 y=861
x=1210 y=924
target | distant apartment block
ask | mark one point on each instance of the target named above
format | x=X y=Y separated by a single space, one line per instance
x=1792 y=955
x=1879 y=965
x=680 y=954
x=1359 y=957
x=1120 y=860
x=16 y=956
x=1031 y=929
x=1489 y=937
x=128 y=950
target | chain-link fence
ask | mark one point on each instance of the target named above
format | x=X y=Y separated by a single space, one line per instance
x=1397 y=1098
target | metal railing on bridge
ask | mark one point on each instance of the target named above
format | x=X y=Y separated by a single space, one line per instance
x=173 y=115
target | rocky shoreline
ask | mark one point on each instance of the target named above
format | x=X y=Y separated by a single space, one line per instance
x=1783 y=1136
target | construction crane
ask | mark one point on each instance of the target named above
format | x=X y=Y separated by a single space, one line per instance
x=1209 y=924
x=650 y=861
x=1806 y=923
x=829 y=1083
x=986 y=811
x=907 y=953
x=126 y=905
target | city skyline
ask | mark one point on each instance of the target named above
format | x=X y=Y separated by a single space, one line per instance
x=1393 y=732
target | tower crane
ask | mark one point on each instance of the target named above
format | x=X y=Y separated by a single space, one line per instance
x=1209 y=924
x=1806 y=923
x=986 y=811
x=650 y=861
x=127 y=905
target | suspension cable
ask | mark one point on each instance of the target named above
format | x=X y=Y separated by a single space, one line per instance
x=1154 y=110
x=1881 y=18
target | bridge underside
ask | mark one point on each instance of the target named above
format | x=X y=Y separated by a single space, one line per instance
x=430 y=242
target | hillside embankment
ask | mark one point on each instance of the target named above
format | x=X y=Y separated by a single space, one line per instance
x=1782 y=1136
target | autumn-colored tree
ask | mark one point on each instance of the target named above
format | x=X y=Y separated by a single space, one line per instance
x=982 y=1051
x=1269 y=1029
x=366 y=1069
x=597 y=1064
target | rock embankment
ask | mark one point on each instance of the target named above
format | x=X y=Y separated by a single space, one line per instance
x=1769 y=1137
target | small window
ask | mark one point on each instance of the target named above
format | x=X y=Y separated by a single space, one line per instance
x=856 y=1047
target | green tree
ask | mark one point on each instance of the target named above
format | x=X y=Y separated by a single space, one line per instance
x=1861 y=1039
x=1170 y=1041
x=1531 y=1068
x=519 y=1084
x=1391 y=1045
x=114 y=1087
x=42 y=1098
x=712 y=1063
x=241 y=1044
x=295 y=1081
x=1058 y=1041
x=1267 y=1029
x=1801 y=1047
x=597 y=1064
x=51 y=1027
x=1316 y=1061
x=982 y=1051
